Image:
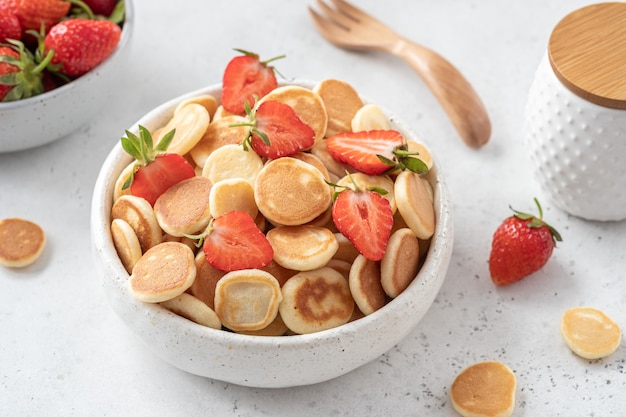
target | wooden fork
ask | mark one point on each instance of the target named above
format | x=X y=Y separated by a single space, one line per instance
x=348 y=27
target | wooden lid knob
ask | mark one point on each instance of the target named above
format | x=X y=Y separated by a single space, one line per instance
x=587 y=51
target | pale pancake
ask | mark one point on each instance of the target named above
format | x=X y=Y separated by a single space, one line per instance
x=183 y=209
x=485 y=389
x=220 y=132
x=191 y=308
x=302 y=248
x=346 y=251
x=138 y=213
x=205 y=100
x=247 y=299
x=126 y=243
x=423 y=153
x=316 y=300
x=275 y=328
x=165 y=271
x=233 y=194
x=590 y=333
x=21 y=242
x=291 y=192
x=221 y=112
x=203 y=286
x=415 y=204
x=309 y=158
x=232 y=161
x=342 y=267
x=342 y=102
x=119 y=183
x=370 y=117
x=332 y=165
x=191 y=122
x=365 y=285
x=400 y=263
x=365 y=182
x=308 y=106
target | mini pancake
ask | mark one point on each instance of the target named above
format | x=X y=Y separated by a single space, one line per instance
x=414 y=204
x=302 y=248
x=221 y=112
x=165 y=271
x=119 y=183
x=316 y=300
x=275 y=328
x=308 y=106
x=590 y=333
x=400 y=263
x=138 y=213
x=232 y=161
x=220 y=132
x=346 y=251
x=324 y=220
x=279 y=272
x=230 y=195
x=309 y=158
x=21 y=242
x=422 y=153
x=191 y=308
x=365 y=285
x=183 y=209
x=364 y=181
x=485 y=389
x=203 y=286
x=342 y=102
x=247 y=299
x=126 y=243
x=205 y=100
x=191 y=122
x=369 y=117
x=342 y=267
x=333 y=166
x=291 y=192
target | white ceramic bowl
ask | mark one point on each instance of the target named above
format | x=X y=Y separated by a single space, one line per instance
x=262 y=361
x=50 y=116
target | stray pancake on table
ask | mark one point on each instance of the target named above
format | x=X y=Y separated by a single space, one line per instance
x=590 y=333
x=21 y=242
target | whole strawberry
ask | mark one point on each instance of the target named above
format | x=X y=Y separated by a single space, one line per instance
x=20 y=76
x=81 y=44
x=10 y=27
x=521 y=245
x=33 y=13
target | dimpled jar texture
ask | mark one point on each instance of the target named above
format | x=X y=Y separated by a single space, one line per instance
x=577 y=149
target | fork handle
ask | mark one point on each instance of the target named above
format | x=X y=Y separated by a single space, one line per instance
x=455 y=94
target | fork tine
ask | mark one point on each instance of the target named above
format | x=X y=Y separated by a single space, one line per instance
x=353 y=12
x=324 y=26
x=335 y=15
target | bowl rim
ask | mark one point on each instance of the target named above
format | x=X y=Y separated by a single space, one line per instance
x=436 y=261
x=127 y=29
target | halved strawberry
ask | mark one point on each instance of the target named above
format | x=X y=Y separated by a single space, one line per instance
x=276 y=130
x=155 y=171
x=365 y=218
x=374 y=152
x=234 y=242
x=245 y=78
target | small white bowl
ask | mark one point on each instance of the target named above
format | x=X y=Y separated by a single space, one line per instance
x=263 y=361
x=50 y=116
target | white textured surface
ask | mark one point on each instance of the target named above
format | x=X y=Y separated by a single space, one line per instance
x=64 y=352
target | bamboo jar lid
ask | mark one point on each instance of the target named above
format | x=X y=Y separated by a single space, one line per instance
x=587 y=51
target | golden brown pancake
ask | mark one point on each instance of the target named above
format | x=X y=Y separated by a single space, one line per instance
x=590 y=333
x=247 y=300
x=183 y=209
x=316 y=300
x=303 y=247
x=346 y=251
x=342 y=103
x=279 y=272
x=126 y=243
x=165 y=271
x=191 y=308
x=21 y=242
x=332 y=165
x=191 y=122
x=309 y=158
x=415 y=204
x=138 y=213
x=220 y=132
x=291 y=192
x=203 y=286
x=365 y=285
x=485 y=389
x=400 y=263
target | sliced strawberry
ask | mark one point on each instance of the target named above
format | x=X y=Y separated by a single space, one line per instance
x=276 y=130
x=155 y=170
x=234 y=242
x=365 y=218
x=374 y=152
x=245 y=78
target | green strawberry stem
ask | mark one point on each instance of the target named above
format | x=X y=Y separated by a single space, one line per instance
x=142 y=148
x=537 y=222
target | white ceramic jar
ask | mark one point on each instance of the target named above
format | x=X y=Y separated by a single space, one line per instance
x=575 y=122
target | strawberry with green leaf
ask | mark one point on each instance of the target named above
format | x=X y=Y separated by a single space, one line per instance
x=20 y=76
x=246 y=79
x=32 y=14
x=234 y=242
x=155 y=169
x=374 y=152
x=521 y=245
x=276 y=130
x=365 y=218
x=10 y=27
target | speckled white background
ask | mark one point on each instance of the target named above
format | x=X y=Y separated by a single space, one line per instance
x=63 y=352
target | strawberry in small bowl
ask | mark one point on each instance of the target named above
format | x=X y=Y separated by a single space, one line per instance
x=56 y=63
x=287 y=255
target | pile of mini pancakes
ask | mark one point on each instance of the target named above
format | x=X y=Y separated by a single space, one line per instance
x=317 y=280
